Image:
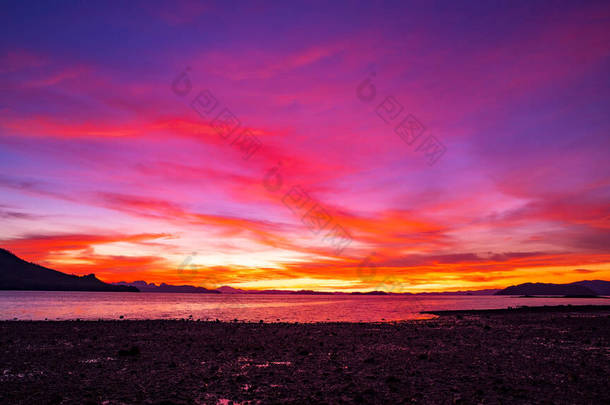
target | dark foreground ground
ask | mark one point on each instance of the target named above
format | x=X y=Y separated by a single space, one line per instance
x=511 y=357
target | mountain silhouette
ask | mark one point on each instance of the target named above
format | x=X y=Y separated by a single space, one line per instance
x=143 y=286
x=17 y=274
x=599 y=287
x=581 y=288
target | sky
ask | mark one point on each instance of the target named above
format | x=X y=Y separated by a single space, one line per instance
x=399 y=146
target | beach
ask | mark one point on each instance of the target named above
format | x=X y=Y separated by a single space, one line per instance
x=515 y=356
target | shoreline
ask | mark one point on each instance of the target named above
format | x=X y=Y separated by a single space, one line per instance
x=520 y=356
x=523 y=309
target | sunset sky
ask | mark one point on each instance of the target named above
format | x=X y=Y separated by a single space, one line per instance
x=113 y=160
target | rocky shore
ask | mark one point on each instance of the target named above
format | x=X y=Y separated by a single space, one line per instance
x=555 y=356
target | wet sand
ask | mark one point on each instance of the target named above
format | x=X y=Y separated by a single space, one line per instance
x=552 y=356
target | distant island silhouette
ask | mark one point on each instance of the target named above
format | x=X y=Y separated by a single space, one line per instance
x=143 y=286
x=579 y=289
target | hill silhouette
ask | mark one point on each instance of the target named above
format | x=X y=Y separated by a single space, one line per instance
x=18 y=274
x=143 y=286
x=581 y=288
x=599 y=287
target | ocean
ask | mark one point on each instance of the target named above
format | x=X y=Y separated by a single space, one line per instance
x=61 y=305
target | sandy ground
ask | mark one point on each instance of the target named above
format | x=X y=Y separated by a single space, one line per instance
x=489 y=358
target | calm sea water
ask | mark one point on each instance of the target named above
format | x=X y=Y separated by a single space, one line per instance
x=54 y=305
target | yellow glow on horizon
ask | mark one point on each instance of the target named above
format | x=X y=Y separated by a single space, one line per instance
x=296 y=283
